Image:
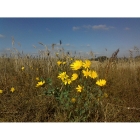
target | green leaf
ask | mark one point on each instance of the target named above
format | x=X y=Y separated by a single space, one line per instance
x=49 y=81
x=82 y=112
x=45 y=92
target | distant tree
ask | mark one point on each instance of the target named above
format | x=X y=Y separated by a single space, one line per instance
x=137 y=57
x=101 y=58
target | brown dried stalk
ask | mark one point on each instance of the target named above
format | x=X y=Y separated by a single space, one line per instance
x=111 y=59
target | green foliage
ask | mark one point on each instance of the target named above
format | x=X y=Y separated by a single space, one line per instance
x=86 y=103
x=101 y=58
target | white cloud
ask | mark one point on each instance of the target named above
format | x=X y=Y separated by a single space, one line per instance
x=75 y=28
x=94 y=27
x=2 y=36
x=100 y=27
x=87 y=26
x=126 y=28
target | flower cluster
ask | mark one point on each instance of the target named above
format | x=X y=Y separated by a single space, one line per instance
x=93 y=74
x=78 y=64
x=65 y=78
x=85 y=67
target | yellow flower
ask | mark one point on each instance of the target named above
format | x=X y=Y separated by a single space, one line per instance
x=74 y=76
x=12 y=89
x=22 y=68
x=101 y=82
x=67 y=81
x=37 y=78
x=40 y=83
x=73 y=100
x=79 y=88
x=1 y=91
x=63 y=76
x=86 y=64
x=93 y=74
x=86 y=73
x=64 y=63
x=76 y=65
x=58 y=63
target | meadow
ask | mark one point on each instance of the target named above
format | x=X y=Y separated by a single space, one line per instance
x=69 y=88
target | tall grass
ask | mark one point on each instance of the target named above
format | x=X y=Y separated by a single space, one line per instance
x=117 y=101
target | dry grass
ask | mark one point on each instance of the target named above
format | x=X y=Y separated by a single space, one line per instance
x=30 y=104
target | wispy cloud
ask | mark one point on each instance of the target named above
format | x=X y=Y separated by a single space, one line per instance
x=87 y=26
x=88 y=45
x=48 y=29
x=67 y=44
x=2 y=36
x=126 y=28
x=101 y=27
x=93 y=27
x=75 y=28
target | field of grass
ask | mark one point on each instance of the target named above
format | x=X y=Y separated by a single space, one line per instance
x=44 y=89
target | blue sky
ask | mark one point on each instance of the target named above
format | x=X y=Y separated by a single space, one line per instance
x=77 y=34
